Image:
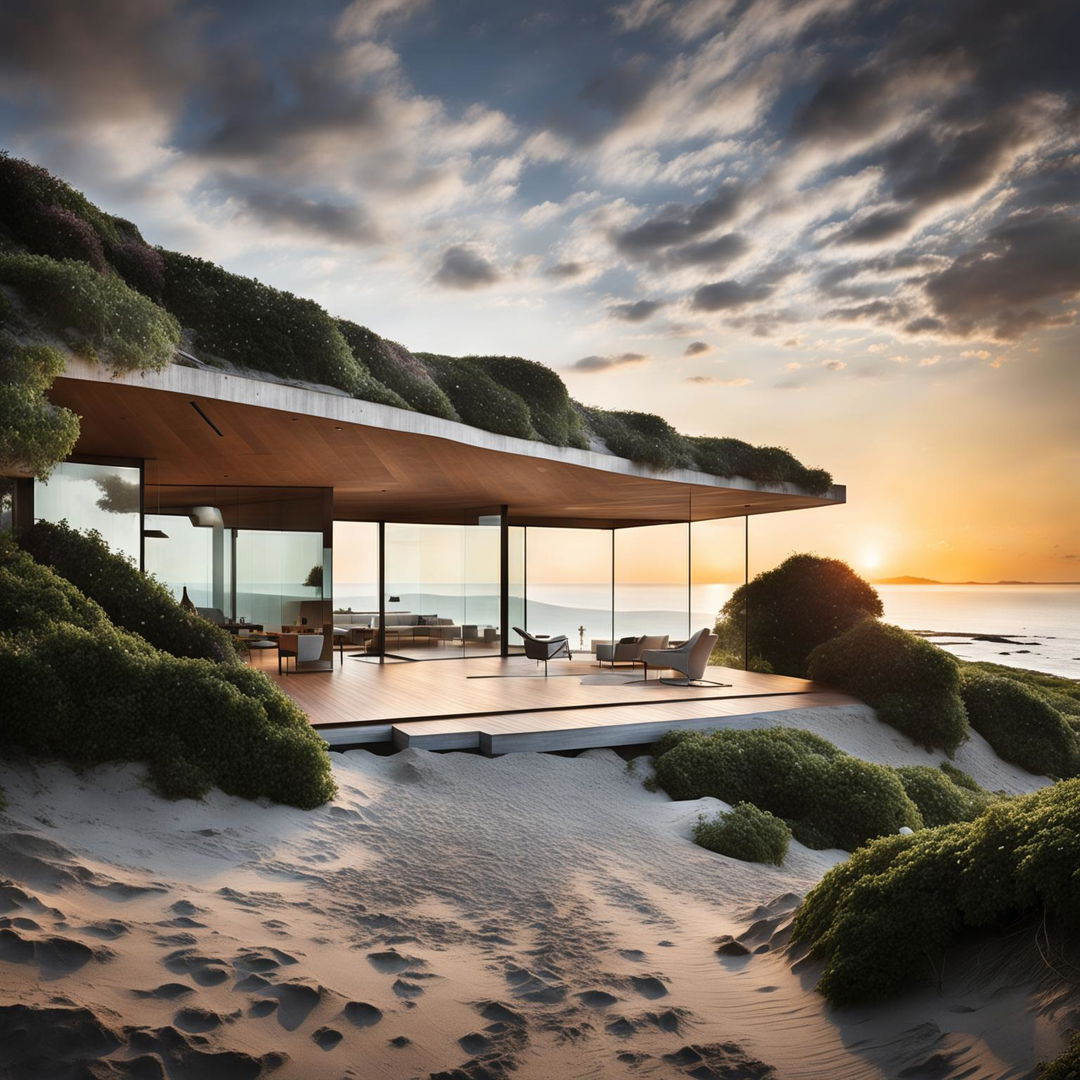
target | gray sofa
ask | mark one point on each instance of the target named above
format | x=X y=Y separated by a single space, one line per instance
x=402 y=628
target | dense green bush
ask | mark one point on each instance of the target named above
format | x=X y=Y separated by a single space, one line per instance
x=403 y=376
x=1061 y=692
x=641 y=437
x=131 y=599
x=1066 y=1066
x=912 y=685
x=884 y=918
x=34 y=433
x=826 y=796
x=746 y=833
x=941 y=799
x=477 y=398
x=554 y=417
x=791 y=609
x=1020 y=724
x=77 y=688
x=256 y=326
x=96 y=314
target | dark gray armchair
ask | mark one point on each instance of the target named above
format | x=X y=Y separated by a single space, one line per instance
x=544 y=648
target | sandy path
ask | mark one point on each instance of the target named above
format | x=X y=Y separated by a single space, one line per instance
x=448 y=914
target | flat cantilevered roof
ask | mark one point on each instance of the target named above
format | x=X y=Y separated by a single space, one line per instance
x=208 y=428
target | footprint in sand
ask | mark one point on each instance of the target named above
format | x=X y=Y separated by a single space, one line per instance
x=648 y=986
x=262 y=1007
x=406 y=990
x=107 y=929
x=597 y=999
x=205 y=970
x=165 y=992
x=197 y=1020
x=392 y=962
x=474 y=1043
x=360 y=1014
x=535 y=987
x=635 y=956
x=53 y=956
x=296 y=1000
x=326 y=1038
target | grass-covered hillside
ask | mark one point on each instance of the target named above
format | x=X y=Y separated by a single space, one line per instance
x=76 y=277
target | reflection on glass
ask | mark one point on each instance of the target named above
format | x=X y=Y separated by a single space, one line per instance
x=568 y=575
x=651 y=583
x=101 y=497
x=273 y=575
x=717 y=570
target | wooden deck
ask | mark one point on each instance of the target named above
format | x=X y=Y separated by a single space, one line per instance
x=501 y=706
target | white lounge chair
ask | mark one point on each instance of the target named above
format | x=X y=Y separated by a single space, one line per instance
x=628 y=650
x=690 y=659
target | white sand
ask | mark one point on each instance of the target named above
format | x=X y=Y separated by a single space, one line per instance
x=533 y=914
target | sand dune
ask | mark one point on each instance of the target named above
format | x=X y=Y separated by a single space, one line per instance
x=452 y=916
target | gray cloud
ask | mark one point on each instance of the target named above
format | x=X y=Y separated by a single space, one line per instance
x=697 y=348
x=566 y=271
x=608 y=363
x=730 y=295
x=678 y=224
x=637 y=311
x=335 y=222
x=463 y=268
x=1005 y=283
x=713 y=253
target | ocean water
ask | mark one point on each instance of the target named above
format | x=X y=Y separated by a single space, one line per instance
x=1042 y=621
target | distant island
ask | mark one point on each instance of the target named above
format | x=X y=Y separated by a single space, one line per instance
x=908 y=579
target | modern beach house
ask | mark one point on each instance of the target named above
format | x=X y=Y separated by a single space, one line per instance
x=231 y=489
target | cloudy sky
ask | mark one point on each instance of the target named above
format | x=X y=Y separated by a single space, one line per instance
x=847 y=228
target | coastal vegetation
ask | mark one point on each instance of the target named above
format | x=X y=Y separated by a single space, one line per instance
x=81 y=687
x=1018 y=857
x=745 y=832
x=828 y=798
x=912 y=685
x=1020 y=724
x=786 y=612
x=74 y=276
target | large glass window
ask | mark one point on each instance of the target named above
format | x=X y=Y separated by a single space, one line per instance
x=253 y=554
x=91 y=496
x=652 y=582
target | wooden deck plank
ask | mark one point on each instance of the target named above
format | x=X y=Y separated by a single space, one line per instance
x=472 y=704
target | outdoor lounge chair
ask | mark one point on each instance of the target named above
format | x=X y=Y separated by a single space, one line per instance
x=304 y=649
x=628 y=650
x=690 y=660
x=544 y=648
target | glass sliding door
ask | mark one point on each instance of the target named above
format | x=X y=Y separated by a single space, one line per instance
x=652 y=582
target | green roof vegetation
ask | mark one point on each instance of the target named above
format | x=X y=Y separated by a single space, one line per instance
x=73 y=275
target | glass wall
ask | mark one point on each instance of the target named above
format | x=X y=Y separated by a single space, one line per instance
x=442 y=589
x=91 y=496
x=517 y=608
x=652 y=581
x=252 y=554
x=569 y=584
x=356 y=567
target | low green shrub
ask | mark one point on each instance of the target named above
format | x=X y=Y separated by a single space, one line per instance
x=1061 y=692
x=959 y=777
x=940 y=799
x=884 y=918
x=1020 y=724
x=788 y=611
x=762 y=464
x=34 y=433
x=551 y=411
x=746 y=833
x=97 y=314
x=131 y=599
x=79 y=689
x=403 y=376
x=820 y=791
x=912 y=685
x=477 y=398
x=641 y=437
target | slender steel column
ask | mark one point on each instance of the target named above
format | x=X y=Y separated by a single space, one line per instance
x=504 y=582
x=746 y=597
x=380 y=637
x=613 y=585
